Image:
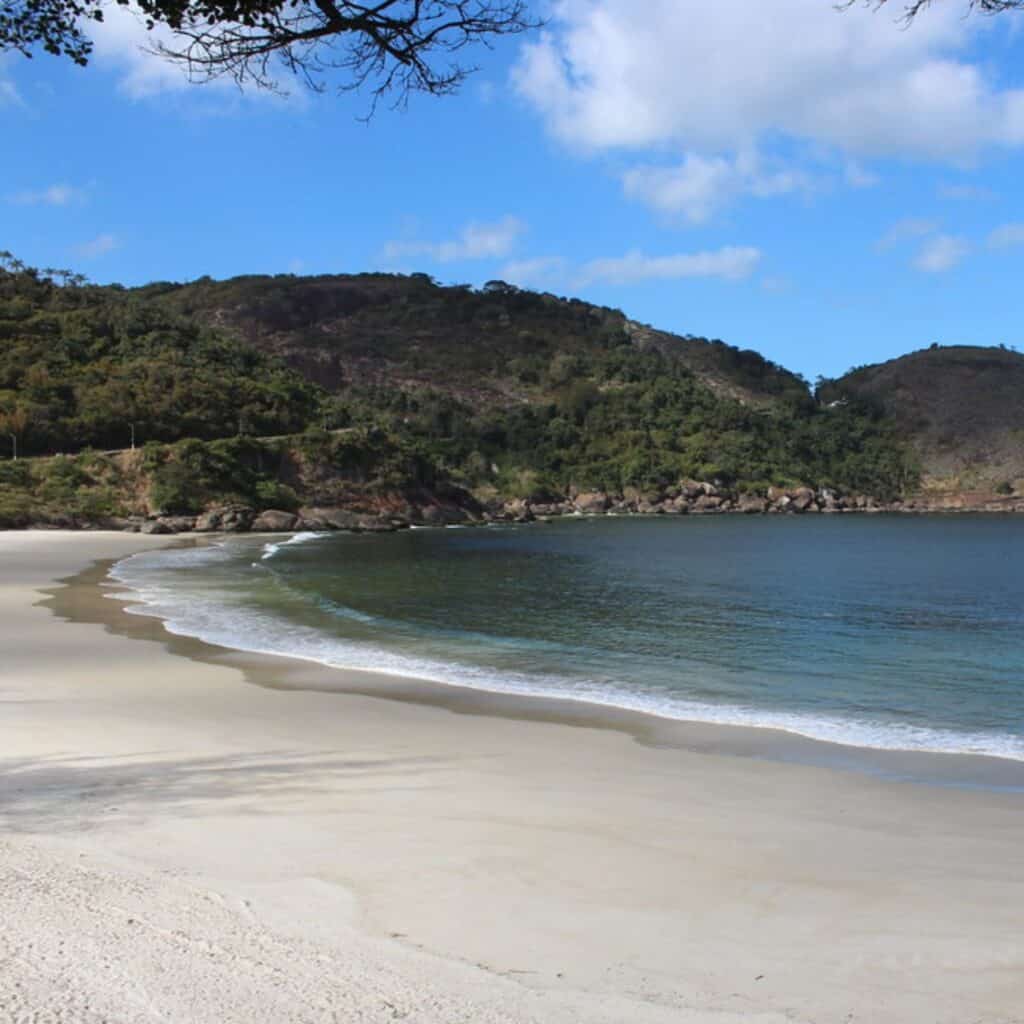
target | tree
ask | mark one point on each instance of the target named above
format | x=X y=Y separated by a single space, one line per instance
x=388 y=46
x=13 y=423
x=912 y=8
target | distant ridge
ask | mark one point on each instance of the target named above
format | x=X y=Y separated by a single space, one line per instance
x=960 y=406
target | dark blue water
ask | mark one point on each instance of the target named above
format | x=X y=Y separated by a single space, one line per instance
x=893 y=632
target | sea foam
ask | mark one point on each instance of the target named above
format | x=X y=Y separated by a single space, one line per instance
x=206 y=614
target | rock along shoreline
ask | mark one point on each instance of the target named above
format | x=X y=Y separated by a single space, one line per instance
x=393 y=513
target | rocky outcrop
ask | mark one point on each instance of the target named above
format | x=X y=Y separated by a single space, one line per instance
x=226 y=519
x=687 y=497
x=346 y=519
x=442 y=515
x=751 y=504
x=591 y=502
x=690 y=497
x=274 y=521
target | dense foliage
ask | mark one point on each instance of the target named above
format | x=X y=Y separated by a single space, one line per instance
x=81 y=365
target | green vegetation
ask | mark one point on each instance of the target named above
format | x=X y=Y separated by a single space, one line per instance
x=81 y=365
x=282 y=391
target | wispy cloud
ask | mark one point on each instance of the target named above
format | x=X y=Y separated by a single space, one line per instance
x=98 y=246
x=941 y=253
x=907 y=230
x=1006 y=235
x=9 y=95
x=476 y=241
x=52 y=195
x=731 y=263
x=700 y=186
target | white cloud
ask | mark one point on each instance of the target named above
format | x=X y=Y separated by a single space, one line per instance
x=98 y=246
x=699 y=186
x=941 y=253
x=122 y=43
x=476 y=241
x=714 y=77
x=730 y=263
x=906 y=230
x=52 y=195
x=1006 y=235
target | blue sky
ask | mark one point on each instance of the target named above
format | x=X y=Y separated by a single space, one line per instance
x=830 y=189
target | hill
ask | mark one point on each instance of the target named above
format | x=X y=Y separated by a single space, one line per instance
x=494 y=345
x=960 y=407
x=389 y=390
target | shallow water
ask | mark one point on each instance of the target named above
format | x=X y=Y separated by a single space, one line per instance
x=888 y=632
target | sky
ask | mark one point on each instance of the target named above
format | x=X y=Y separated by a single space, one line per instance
x=830 y=188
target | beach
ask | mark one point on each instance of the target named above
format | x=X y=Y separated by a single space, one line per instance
x=195 y=835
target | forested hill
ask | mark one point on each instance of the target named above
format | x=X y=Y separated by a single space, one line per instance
x=495 y=393
x=961 y=407
x=499 y=344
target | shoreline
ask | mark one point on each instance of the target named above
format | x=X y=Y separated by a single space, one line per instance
x=208 y=846
x=967 y=769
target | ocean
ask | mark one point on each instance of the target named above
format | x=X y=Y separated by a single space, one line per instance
x=887 y=632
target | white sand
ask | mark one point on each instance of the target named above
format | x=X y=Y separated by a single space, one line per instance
x=180 y=845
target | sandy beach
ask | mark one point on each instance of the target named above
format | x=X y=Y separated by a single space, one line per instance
x=191 y=835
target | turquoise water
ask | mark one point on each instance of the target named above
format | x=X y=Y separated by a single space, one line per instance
x=888 y=632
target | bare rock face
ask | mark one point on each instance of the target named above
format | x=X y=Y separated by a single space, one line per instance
x=226 y=519
x=274 y=521
x=752 y=504
x=344 y=519
x=592 y=502
x=178 y=524
x=802 y=499
x=691 y=489
x=519 y=511
x=707 y=503
x=442 y=515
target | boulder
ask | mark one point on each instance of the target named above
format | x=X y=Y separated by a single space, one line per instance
x=752 y=504
x=442 y=515
x=226 y=519
x=591 y=502
x=155 y=526
x=518 y=510
x=178 y=524
x=274 y=521
x=707 y=503
x=378 y=524
x=801 y=499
